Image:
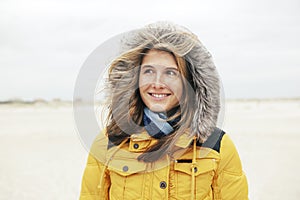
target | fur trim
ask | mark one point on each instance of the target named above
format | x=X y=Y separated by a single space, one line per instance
x=205 y=80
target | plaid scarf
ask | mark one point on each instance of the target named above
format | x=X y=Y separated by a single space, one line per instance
x=156 y=124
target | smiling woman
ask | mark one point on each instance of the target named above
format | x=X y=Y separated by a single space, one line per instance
x=161 y=139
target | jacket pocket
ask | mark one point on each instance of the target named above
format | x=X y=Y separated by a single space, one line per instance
x=204 y=173
x=127 y=179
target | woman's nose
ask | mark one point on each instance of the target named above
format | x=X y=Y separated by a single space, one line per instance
x=158 y=81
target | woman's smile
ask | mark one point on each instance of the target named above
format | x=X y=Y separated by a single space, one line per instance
x=159 y=96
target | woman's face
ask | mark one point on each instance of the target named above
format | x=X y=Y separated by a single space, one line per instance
x=160 y=82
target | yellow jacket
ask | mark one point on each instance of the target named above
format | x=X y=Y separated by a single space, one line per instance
x=204 y=172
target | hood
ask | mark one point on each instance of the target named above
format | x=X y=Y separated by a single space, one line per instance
x=204 y=78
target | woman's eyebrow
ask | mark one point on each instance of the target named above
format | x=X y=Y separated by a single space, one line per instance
x=147 y=66
x=166 y=68
x=173 y=68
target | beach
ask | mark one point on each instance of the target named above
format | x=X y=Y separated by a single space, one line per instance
x=42 y=157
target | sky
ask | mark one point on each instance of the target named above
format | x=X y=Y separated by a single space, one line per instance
x=43 y=43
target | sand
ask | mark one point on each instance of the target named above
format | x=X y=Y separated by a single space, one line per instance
x=41 y=155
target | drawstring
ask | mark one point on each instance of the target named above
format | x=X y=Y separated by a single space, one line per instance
x=193 y=168
x=108 y=160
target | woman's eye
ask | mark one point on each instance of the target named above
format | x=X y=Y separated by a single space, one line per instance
x=171 y=73
x=148 y=71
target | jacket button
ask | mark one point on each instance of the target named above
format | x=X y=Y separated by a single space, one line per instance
x=136 y=146
x=163 y=185
x=125 y=168
x=195 y=169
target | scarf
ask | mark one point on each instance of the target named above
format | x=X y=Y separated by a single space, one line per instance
x=156 y=124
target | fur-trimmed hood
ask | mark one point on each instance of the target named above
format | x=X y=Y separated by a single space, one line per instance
x=204 y=77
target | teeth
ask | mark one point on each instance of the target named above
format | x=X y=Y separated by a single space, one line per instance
x=159 y=95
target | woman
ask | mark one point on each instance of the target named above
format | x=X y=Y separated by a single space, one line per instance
x=161 y=139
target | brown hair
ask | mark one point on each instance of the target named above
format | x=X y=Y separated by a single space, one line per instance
x=124 y=121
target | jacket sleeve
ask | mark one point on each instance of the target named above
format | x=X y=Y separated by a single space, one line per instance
x=230 y=182
x=95 y=182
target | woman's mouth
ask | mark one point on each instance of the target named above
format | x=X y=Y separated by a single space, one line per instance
x=158 y=95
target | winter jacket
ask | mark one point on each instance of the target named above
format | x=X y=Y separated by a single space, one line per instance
x=208 y=171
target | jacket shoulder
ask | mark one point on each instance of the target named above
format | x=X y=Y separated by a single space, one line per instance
x=99 y=147
x=231 y=180
x=230 y=160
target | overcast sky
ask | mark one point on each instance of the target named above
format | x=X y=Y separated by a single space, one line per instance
x=43 y=44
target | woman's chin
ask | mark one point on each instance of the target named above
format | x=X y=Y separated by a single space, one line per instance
x=158 y=108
